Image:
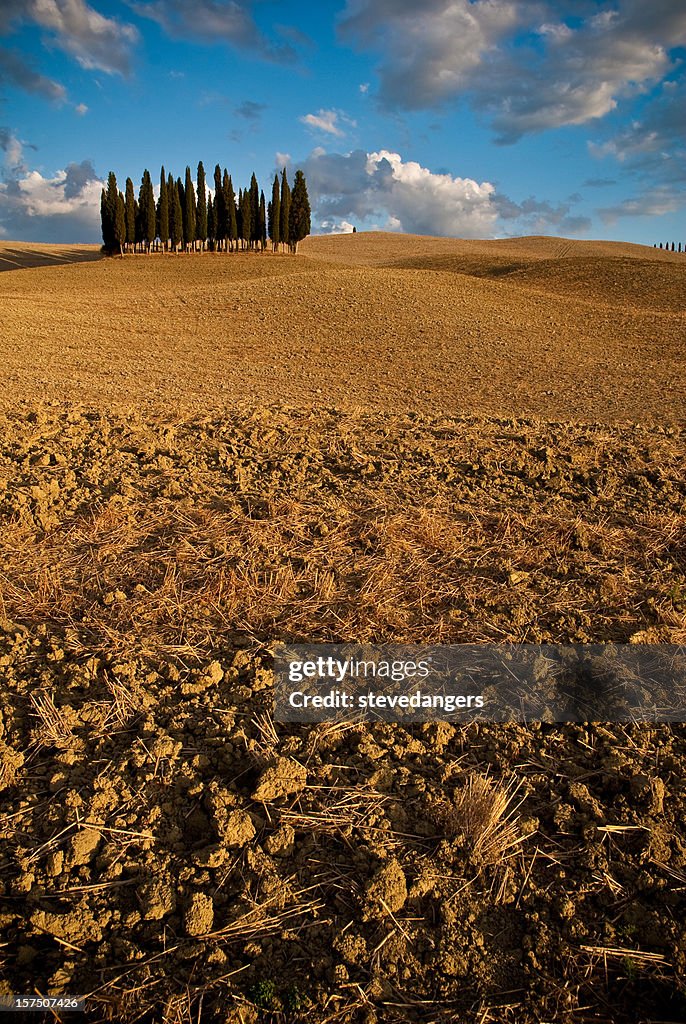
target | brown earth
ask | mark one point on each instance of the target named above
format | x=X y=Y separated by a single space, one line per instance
x=173 y=852
x=536 y=327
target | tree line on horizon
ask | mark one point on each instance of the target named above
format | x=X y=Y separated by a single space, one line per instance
x=187 y=215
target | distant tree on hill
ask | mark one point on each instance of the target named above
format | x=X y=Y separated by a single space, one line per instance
x=163 y=211
x=201 y=208
x=299 y=219
x=189 y=212
x=285 y=216
x=274 y=225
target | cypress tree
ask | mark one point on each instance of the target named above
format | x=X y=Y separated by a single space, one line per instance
x=219 y=207
x=147 y=212
x=263 y=224
x=130 y=203
x=211 y=236
x=163 y=212
x=104 y=220
x=176 y=218
x=284 y=222
x=231 y=221
x=201 y=209
x=239 y=218
x=300 y=216
x=182 y=202
x=189 y=213
x=108 y=211
x=254 y=210
x=247 y=218
x=275 y=215
x=120 y=224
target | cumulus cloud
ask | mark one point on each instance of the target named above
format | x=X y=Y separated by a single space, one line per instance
x=530 y=65
x=430 y=49
x=381 y=188
x=534 y=216
x=213 y=21
x=12 y=149
x=655 y=145
x=653 y=203
x=328 y=121
x=335 y=227
x=62 y=208
x=402 y=195
x=16 y=70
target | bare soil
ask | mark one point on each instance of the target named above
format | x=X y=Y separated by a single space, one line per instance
x=536 y=327
x=173 y=852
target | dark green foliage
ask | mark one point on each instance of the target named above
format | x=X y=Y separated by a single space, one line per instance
x=265 y=993
x=108 y=212
x=300 y=216
x=284 y=222
x=182 y=202
x=176 y=218
x=163 y=211
x=201 y=208
x=130 y=203
x=120 y=223
x=220 y=219
x=254 y=210
x=147 y=213
x=262 y=239
x=246 y=218
x=275 y=214
x=189 y=211
x=211 y=231
x=219 y=207
x=230 y=203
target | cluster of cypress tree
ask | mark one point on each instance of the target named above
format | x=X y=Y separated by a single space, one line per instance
x=186 y=216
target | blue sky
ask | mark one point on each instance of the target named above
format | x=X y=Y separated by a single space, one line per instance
x=470 y=118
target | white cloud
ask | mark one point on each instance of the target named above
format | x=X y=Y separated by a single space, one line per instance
x=213 y=21
x=582 y=66
x=327 y=121
x=62 y=208
x=17 y=70
x=13 y=150
x=364 y=87
x=81 y=109
x=92 y=39
x=652 y=203
x=401 y=194
x=281 y=160
x=654 y=146
x=335 y=227
x=429 y=49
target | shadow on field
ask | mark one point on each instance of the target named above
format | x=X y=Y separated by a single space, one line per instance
x=21 y=259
